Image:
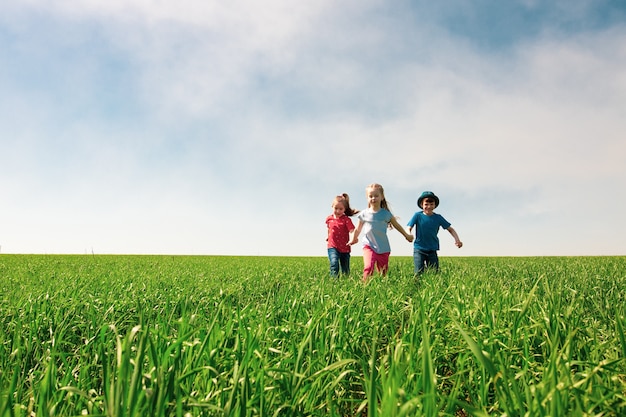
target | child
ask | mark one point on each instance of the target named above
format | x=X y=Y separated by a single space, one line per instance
x=427 y=224
x=339 y=228
x=373 y=222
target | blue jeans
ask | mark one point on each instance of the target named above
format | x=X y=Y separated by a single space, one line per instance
x=338 y=259
x=425 y=259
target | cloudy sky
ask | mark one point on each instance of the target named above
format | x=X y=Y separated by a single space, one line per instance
x=213 y=127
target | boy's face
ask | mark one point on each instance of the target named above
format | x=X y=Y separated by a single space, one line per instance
x=428 y=205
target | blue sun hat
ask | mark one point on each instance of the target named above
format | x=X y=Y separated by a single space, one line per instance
x=427 y=194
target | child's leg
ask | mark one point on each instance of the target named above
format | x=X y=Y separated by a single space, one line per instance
x=419 y=260
x=432 y=261
x=344 y=261
x=368 y=262
x=382 y=262
x=333 y=258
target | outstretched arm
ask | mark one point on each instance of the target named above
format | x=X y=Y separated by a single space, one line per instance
x=357 y=231
x=400 y=229
x=457 y=241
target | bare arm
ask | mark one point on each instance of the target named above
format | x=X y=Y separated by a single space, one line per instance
x=357 y=231
x=400 y=229
x=457 y=241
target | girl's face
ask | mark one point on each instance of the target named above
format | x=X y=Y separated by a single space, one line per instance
x=338 y=209
x=374 y=198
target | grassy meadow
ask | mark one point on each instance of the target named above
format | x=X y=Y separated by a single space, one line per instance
x=272 y=336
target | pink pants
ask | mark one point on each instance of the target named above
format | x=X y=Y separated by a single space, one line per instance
x=373 y=260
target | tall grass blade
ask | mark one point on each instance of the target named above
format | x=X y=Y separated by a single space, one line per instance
x=619 y=323
x=428 y=373
x=372 y=393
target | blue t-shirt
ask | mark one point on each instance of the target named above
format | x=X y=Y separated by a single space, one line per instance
x=426 y=229
x=374 y=230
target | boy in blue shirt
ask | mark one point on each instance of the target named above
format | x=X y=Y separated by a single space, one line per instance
x=427 y=223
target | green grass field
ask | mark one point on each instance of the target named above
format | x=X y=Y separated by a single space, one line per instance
x=269 y=336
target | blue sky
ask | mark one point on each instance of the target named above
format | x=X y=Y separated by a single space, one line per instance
x=205 y=127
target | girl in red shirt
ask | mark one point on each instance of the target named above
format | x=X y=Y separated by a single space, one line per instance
x=339 y=228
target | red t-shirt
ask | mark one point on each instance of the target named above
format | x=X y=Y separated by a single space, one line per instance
x=339 y=232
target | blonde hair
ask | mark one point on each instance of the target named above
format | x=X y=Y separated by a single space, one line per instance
x=345 y=200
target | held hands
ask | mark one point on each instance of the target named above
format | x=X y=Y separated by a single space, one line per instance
x=408 y=235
